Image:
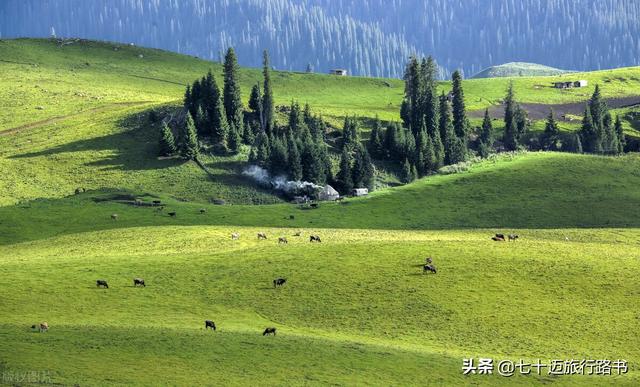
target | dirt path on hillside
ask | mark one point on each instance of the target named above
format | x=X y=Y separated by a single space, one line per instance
x=52 y=120
x=539 y=111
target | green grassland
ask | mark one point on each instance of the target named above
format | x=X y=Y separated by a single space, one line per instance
x=357 y=309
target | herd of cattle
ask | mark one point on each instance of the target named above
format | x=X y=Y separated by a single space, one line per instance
x=428 y=267
x=500 y=237
x=208 y=324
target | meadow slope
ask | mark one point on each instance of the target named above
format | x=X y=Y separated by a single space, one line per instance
x=356 y=309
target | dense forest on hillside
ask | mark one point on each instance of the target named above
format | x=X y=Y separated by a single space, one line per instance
x=367 y=37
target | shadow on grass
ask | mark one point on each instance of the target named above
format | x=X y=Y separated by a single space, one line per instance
x=133 y=148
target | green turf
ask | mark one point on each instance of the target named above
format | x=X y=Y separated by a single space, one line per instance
x=357 y=310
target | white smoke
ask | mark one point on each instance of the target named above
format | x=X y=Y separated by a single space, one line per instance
x=279 y=183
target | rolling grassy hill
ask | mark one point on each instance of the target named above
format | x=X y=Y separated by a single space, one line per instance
x=518 y=69
x=356 y=309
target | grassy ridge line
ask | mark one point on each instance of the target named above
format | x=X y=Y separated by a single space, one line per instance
x=534 y=190
x=330 y=95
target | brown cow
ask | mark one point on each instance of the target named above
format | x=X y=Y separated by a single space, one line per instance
x=262 y=235
x=283 y=240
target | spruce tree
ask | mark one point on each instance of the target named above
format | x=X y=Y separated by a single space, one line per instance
x=201 y=122
x=167 y=141
x=438 y=150
x=268 y=107
x=344 y=178
x=406 y=175
x=295 y=162
x=588 y=133
x=232 y=96
x=510 y=138
x=255 y=104
x=189 y=147
x=262 y=147
x=358 y=168
x=460 y=121
x=390 y=140
x=188 y=101
x=620 y=135
x=430 y=98
x=413 y=89
x=217 y=117
x=376 y=139
x=368 y=174
x=453 y=147
x=247 y=134
x=235 y=139
x=551 y=133
x=279 y=159
x=486 y=135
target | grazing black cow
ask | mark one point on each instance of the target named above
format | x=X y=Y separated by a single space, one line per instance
x=269 y=331
x=262 y=235
x=139 y=282
x=314 y=238
x=209 y=324
x=102 y=283
x=283 y=240
x=279 y=282
x=429 y=268
x=202 y=211
x=172 y=214
x=500 y=236
x=513 y=237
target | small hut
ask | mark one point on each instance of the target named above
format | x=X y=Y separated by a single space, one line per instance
x=360 y=192
x=328 y=193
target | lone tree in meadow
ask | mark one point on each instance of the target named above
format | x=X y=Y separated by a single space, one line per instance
x=232 y=96
x=267 y=96
x=189 y=144
x=167 y=141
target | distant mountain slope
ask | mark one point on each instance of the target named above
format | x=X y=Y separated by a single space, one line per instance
x=518 y=69
x=367 y=37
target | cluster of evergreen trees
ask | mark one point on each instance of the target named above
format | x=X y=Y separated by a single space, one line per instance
x=599 y=134
x=297 y=150
x=218 y=115
x=435 y=129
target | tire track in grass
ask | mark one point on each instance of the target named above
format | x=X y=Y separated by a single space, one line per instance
x=52 y=120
